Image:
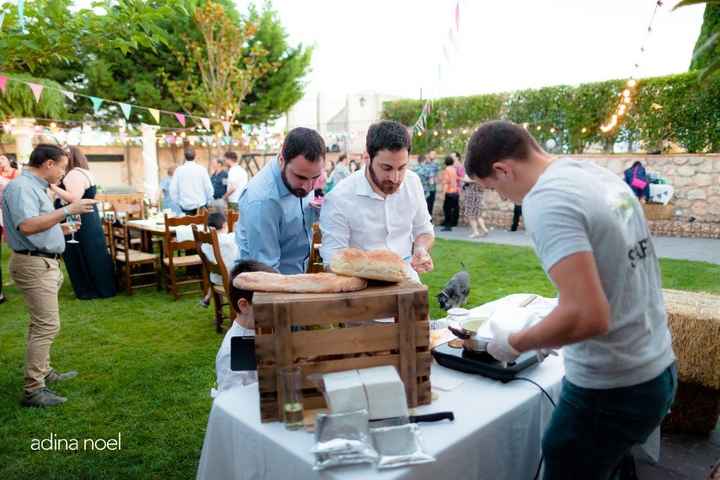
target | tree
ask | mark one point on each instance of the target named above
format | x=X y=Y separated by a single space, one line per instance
x=19 y=101
x=219 y=71
x=706 y=56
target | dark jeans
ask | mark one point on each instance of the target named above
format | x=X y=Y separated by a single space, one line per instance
x=517 y=213
x=192 y=212
x=591 y=430
x=430 y=199
x=451 y=208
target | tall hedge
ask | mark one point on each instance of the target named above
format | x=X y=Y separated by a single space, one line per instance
x=674 y=108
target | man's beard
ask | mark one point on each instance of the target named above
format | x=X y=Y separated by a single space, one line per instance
x=387 y=187
x=298 y=192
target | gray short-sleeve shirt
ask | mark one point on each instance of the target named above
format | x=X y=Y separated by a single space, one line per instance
x=577 y=206
x=24 y=198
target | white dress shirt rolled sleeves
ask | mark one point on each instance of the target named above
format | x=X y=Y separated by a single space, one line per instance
x=190 y=187
x=353 y=215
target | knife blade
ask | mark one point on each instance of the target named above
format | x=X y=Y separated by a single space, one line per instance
x=405 y=419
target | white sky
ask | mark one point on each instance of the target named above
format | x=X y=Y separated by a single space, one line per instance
x=395 y=46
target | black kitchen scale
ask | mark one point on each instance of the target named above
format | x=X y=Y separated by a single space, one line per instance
x=481 y=363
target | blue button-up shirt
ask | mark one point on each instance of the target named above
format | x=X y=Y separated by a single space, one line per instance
x=26 y=197
x=275 y=226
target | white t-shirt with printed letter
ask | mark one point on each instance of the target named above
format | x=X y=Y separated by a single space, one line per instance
x=578 y=206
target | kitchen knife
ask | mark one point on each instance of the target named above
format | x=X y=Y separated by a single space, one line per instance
x=405 y=419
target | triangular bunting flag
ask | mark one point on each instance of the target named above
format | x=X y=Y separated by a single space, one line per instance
x=155 y=114
x=126 y=109
x=97 y=103
x=3 y=83
x=69 y=95
x=180 y=118
x=226 y=127
x=206 y=123
x=37 y=90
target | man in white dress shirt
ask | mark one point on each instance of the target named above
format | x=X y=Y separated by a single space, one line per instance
x=191 y=187
x=237 y=180
x=381 y=206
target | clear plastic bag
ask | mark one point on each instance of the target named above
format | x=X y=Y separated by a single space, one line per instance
x=342 y=439
x=399 y=446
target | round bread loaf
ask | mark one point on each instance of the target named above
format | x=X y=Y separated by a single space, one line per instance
x=382 y=265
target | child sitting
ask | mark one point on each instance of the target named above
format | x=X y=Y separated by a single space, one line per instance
x=242 y=326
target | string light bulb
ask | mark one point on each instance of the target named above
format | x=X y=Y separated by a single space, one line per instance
x=525 y=125
x=449 y=132
x=538 y=128
x=552 y=129
x=631 y=83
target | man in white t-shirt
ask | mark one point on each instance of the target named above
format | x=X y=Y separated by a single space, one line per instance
x=237 y=180
x=242 y=326
x=381 y=206
x=590 y=234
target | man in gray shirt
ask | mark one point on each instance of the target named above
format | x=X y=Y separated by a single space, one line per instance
x=595 y=246
x=36 y=237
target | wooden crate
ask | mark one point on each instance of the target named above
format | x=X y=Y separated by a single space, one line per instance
x=658 y=211
x=323 y=346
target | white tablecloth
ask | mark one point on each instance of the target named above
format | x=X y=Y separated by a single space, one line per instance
x=496 y=434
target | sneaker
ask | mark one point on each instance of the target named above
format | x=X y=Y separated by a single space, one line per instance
x=204 y=303
x=43 y=397
x=54 y=376
x=3 y=299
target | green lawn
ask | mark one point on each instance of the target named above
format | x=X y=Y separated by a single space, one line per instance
x=147 y=364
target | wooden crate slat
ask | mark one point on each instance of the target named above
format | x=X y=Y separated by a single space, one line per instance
x=408 y=337
x=268 y=379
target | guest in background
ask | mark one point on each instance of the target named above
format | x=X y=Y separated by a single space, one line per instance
x=7 y=173
x=460 y=170
x=517 y=213
x=190 y=187
x=168 y=202
x=637 y=179
x=427 y=170
x=218 y=178
x=87 y=262
x=339 y=173
x=472 y=207
x=237 y=180
x=35 y=233
x=451 y=205
x=228 y=250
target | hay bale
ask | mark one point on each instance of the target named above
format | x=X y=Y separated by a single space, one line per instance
x=695 y=410
x=694 y=320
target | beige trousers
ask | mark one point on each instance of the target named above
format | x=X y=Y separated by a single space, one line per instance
x=39 y=279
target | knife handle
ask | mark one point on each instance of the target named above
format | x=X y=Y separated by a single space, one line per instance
x=432 y=417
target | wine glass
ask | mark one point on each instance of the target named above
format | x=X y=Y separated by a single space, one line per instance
x=72 y=221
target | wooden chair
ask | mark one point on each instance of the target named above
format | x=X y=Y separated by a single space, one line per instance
x=220 y=294
x=315 y=262
x=232 y=218
x=187 y=258
x=129 y=262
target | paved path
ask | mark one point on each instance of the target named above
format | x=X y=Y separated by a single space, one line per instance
x=697 y=249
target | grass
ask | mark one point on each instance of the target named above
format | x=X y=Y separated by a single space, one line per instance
x=147 y=364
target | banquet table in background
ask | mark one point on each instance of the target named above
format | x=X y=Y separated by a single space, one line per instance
x=496 y=434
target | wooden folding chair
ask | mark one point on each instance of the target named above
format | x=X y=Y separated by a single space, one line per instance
x=232 y=218
x=129 y=262
x=220 y=293
x=187 y=258
x=315 y=262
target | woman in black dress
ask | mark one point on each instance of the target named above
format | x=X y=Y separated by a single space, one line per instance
x=88 y=262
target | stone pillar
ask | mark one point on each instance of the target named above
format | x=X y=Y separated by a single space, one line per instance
x=151 y=183
x=24 y=131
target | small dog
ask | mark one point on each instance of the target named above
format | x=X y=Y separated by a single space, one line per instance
x=456 y=291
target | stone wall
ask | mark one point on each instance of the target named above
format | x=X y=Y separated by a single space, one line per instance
x=696 y=204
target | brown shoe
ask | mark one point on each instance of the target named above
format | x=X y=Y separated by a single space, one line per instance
x=54 y=376
x=43 y=397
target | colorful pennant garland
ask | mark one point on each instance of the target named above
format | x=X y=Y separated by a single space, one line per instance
x=37 y=90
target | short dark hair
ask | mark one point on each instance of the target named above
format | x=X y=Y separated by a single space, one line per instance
x=421 y=158
x=387 y=135
x=494 y=142
x=342 y=157
x=243 y=266
x=44 y=152
x=458 y=155
x=217 y=220
x=230 y=155
x=189 y=153
x=449 y=160
x=303 y=141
